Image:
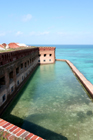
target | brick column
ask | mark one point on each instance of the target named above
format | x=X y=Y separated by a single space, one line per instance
x=14 y=75
x=7 y=81
x=6 y=78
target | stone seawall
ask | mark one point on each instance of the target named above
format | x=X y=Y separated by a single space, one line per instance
x=88 y=86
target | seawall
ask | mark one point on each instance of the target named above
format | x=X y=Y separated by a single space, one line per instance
x=88 y=86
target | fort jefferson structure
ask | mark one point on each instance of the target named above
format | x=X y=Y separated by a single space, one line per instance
x=17 y=66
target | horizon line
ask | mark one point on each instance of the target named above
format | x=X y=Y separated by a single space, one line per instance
x=59 y=44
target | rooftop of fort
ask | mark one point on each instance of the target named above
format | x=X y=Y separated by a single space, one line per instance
x=16 y=49
x=11 y=47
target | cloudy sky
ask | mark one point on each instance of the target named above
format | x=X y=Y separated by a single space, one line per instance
x=46 y=21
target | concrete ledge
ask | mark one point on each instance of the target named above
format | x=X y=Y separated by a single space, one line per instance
x=11 y=132
x=83 y=80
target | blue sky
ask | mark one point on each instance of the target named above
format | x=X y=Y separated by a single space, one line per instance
x=46 y=21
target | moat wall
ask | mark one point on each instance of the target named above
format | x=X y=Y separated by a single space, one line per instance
x=88 y=86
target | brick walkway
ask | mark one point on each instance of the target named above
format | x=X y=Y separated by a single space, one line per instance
x=12 y=132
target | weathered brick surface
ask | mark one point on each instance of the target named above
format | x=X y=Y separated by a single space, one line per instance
x=25 y=134
x=20 y=133
x=29 y=136
x=12 y=129
x=9 y=127
x=15 y=132
x=6 y=125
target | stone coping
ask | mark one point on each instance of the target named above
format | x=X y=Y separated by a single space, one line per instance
x=13 y=132
x=83 y=80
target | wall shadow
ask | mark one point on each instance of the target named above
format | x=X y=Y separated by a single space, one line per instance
x=36 y=129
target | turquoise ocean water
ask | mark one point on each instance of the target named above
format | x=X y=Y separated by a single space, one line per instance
x=80 y=55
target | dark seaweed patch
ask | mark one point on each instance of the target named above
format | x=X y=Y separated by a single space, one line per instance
x=89 y=113
x=81 y=116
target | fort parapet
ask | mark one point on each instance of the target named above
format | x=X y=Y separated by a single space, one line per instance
x=17 y=66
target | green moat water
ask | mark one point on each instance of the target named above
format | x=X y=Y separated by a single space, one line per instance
x=53 y=105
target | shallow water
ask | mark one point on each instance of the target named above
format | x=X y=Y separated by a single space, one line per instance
x=53 y=105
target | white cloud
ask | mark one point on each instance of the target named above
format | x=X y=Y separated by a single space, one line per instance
x=2 y=34
x=19 y=33
x=39 y=33
x=27 y=17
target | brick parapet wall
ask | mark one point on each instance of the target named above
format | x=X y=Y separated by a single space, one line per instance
x=10 y=132
x=47 y=48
